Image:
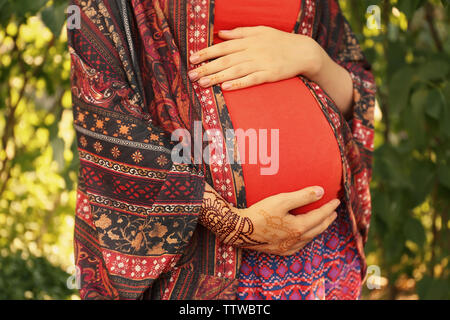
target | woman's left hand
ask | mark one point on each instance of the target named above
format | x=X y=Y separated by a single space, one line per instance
x=255 y=55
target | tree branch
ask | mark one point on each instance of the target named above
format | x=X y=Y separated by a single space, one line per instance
x=430 y=16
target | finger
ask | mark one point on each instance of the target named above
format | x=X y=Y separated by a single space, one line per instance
x=234 y=72
x=308 y=236
x=309 y=221
x=293 y=200
x=252 y=79
x=217 y=50
x=240 y=32
x=217 y=65
x=314 y=232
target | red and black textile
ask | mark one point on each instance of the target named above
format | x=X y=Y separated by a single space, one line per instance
x=136 y=231
x=136 y=209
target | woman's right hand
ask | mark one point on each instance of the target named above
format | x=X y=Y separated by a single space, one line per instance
x=267 y=226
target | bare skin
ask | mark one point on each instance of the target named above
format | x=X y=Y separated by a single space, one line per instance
x=256 y=55
x=267 y=226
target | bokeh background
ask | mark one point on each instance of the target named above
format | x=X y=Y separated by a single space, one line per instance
x=409 y=237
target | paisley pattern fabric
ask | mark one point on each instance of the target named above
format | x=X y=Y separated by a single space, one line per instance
x=136 y=209
x=136 y=231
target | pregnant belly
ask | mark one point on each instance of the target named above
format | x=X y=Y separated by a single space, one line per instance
x=307 y=151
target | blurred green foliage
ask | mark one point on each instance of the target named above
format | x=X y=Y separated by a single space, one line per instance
x=38 y=158
x=409 y=238
x=31 y=277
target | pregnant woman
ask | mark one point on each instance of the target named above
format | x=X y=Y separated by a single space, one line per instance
x=148 y=227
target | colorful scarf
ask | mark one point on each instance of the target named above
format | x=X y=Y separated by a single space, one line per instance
x=136 y=231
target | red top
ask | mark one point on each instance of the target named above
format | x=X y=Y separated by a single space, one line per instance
x=308 y=150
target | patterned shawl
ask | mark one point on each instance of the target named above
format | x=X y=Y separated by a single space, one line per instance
x=136 y=231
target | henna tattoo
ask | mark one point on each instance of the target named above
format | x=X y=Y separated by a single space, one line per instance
x=276 y=235
x=238 y=84
x=230 y=227
x=276 y=227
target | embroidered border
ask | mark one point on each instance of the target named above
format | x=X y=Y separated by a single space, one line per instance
x=200 y=30
x=122 y=142
x=160 y=208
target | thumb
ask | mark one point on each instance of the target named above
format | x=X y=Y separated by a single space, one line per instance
x=300 y=198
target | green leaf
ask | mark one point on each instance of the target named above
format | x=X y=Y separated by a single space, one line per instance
x=433 y=69
x=396 y=58
x=445 y=117
x=444 y=175
x=430 y=288
x=422 y=176
x=26 y=8
x=399 y=88
x=58 y=151
x=54 y=17
x=394 y=245
x=409 y=7
x=414 y=231
x=434 y=102
x=26 y=159
x=414 y=118
x=5 y=12
x=381 y=207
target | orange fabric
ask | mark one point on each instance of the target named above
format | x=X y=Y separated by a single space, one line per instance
x=308 y=150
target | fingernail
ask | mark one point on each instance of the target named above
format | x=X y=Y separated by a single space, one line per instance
x=193 y=75
x=226 y=85
x=204 y=81
x=225 y=31
x=194 y=58
x=336 y=202
x=319 y=191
